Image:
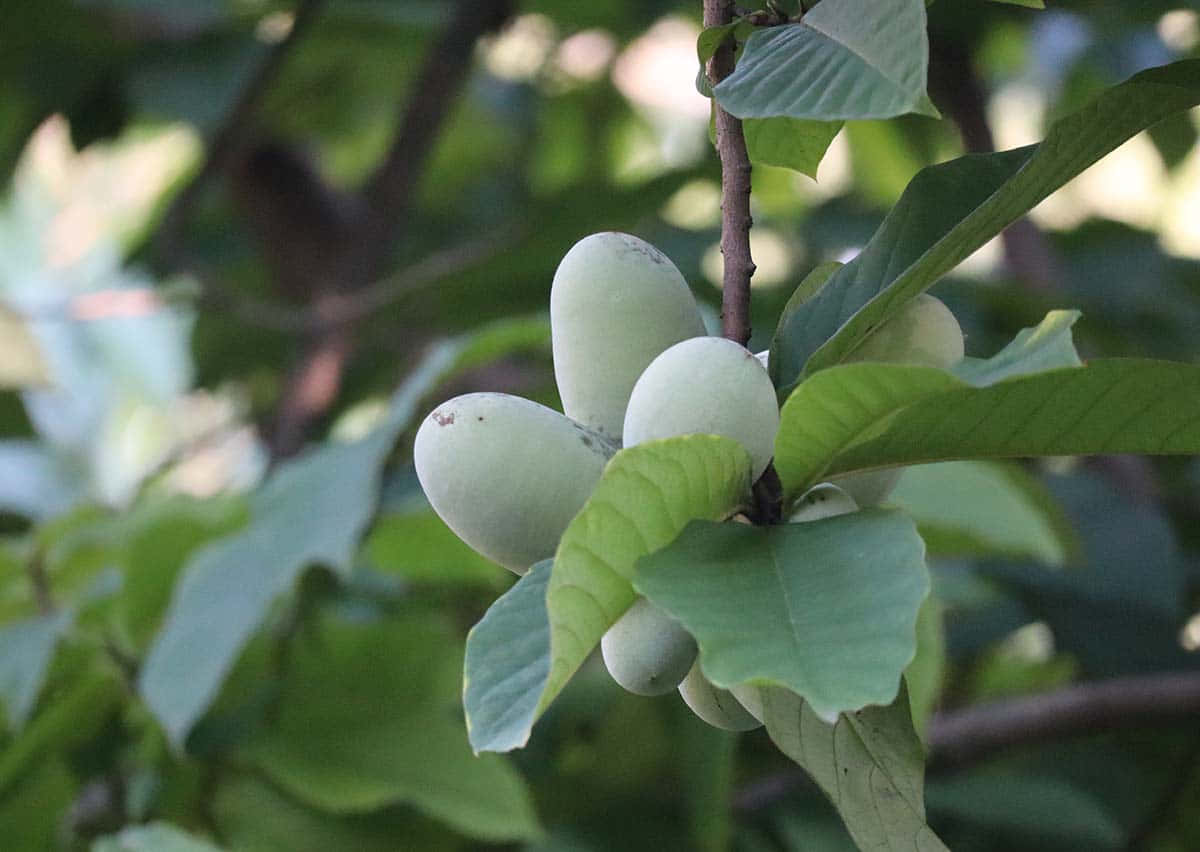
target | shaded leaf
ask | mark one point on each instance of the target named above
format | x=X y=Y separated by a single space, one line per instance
x=870 y=764
x=968 y=508
x=363 y=724
x=153 y=837
x=791 y=143
x=827 y=609
x=26 y=649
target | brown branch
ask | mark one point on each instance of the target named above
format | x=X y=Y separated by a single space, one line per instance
x=971 y=734
x=960 y=738
x=447 y=64
x=343 y=308
x=956 y=84
x=232 y=135
x=735 y=191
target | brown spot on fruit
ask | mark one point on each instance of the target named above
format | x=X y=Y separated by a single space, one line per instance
x=443 y=419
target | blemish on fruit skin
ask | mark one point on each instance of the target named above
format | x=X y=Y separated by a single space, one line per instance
x=443 y=419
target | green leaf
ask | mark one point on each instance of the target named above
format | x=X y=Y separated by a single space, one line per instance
x=312 y=510
x=870 y=764
x=73 y=717
x=507 y=662
x=791 y=143
x=925 y=674
x=1109 y=406
x=26 y=648
x=1046 y=346
x=31 y=814
x=835 y=408
x=966 y=508
x=950 y=210
x=846 y=59
x=827 y=609
x=646 y=496
x=363 y=724
x=255 y=816
x=153 y=837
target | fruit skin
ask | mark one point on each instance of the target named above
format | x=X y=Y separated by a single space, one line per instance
x=870 y=488
x=646 y=651
x=822 y=501
x=923 y=332
x=615 y=304
x=714 y=705
x=926 y=333
x=706 y=385
x=506 y=474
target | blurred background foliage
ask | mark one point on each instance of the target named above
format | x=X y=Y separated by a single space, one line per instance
x=204 y=269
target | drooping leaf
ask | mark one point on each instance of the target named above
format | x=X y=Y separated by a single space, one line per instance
x=790 y=143
x=507 y=662
x=26 y=648
x=646 y=496
x=846 y=59
x=950 y=210
x=967 y=508
x=1046 y=346
x=313 y=510
x=827 y=609
x=364 y=724
x=870 y=764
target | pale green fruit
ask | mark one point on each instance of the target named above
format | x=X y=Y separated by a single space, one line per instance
x=706 y=385
x=646 y=651
x=870 y=488
x=506 y=474
x=924 y=332
x=615 y=304
x=822 y=501
x=714 y=705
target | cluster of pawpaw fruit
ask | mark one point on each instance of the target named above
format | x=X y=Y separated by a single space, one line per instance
x=632 y=364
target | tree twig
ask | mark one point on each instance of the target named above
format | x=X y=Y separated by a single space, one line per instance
x=232 y=134
x=959 y=738
x=735 y=191
x=973 y=733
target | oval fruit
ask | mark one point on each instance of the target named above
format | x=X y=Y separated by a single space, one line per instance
x=870 y=488
x=714 y=705
x=822 y=501
x=924 y=332
x=615 y=304
x=506 y=474
x=646 y=651
x=706 y=385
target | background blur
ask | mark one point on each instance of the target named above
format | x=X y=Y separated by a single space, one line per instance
x=230 y=229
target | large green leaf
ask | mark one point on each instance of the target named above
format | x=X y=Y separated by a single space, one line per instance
x=968 y=508
x=846 y=59
x=507 y=662
x=950 y=210
x=312 y=510
x=870 y=764
x=827 y=609
x=363 y=724
x=645 y=498
x=1109 y=406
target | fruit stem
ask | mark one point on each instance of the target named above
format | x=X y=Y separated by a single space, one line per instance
x=735 y=190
